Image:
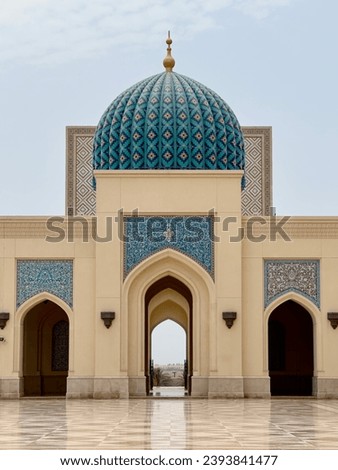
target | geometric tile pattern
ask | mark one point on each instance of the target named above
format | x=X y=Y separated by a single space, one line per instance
x=79 y=160
x=171 y=424
x=168 y=121
x=85 y=196
x=252 y=195
x=53 y=276
x=190 y=235
x=257 y=193
x=301 y=276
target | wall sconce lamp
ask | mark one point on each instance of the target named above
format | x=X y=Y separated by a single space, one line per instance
x=107 y=318
x=229 y=318
x=333 y=319
x=4 y=317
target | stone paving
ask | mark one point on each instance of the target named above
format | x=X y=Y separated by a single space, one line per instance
x=169 y=423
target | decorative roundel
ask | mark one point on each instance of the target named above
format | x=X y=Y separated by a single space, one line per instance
x=171 y=122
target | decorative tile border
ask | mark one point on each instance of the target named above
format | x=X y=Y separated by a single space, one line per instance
x=85 y=197
x=80 y=195
x=256 y=196
x=36 y=276
x=282 y=276
x=252 y=193
x=190 y=235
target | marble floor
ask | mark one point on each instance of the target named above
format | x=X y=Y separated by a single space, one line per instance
x=169 y=423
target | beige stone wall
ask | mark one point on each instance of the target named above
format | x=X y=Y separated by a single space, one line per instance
x=108 y=363
x=25 y=238
x=215 y=351
x=310 y=238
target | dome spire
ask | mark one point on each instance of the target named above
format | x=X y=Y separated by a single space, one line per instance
x=169 y=61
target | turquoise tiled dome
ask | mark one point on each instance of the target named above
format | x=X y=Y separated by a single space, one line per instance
x=168 y=121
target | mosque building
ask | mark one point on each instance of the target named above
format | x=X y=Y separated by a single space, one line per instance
x=169 y=215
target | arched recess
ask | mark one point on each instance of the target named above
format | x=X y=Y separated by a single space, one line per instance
x=185 y=272
x=293 y=347
x=168 y=304
x=44 y=334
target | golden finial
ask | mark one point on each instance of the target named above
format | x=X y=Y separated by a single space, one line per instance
x=168 y=61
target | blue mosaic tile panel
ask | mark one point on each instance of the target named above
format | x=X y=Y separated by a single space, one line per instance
x=301 y=276
x=191 y=235
x=36 y=276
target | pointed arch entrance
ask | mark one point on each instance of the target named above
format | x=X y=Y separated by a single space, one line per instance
x=291 y=350
x=45 y=350
x=168 y=298
x=168 y=270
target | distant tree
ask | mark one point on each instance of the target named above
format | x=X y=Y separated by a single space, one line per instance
x=158 y=374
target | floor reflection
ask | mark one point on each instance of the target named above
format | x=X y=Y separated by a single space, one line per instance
x=171 y=423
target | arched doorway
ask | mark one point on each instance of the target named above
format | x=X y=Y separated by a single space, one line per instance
x=45 y=350
x=141 y=285
x=168 y=298
x=290 y=331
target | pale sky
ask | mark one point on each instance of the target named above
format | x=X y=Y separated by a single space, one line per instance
x=168 y=355
x=273 y=61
